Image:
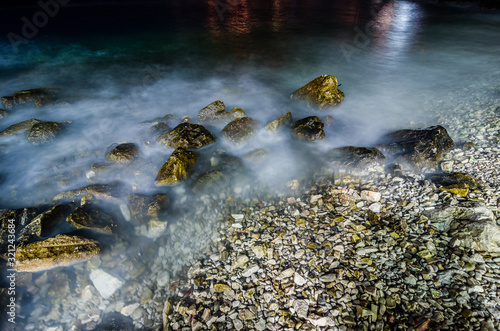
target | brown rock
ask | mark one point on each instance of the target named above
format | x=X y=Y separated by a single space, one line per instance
x=123 y=153
x=278 y=124
x=308 y=129
x=321 y=92
x=176 y=168
x=215 y=113
x=240 y=130
x=187 y=135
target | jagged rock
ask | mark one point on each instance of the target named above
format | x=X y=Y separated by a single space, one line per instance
x=321 y=92
x=176 y=168
x=240 y=130
x=456 y=182
x=355 y=157
x=187 y=135
x=154 y=132
x=19 y=127
x=61 y=250
x=278 y=124
x=12 y=221
x=44 y=132
x=91 y=218
x=46 y=223
x=143 y=206
x=109 y=191
x=216 y=113
x=308 y=129
x=37 y=97
x=471 y=222
x=123 y=153
x=420 y=147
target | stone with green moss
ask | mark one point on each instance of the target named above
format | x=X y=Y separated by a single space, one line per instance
x=187 y=135
x=274 y=127
x=44 y=132
x=19 y=127
x=216 y=113
x=240 y=130
x=176 y=168
x=308 y=129
x=91 y=217
x=123 y=153
x=37 y=97
x=322 y=92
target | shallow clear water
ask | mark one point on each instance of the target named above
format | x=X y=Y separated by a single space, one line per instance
x=396 y=60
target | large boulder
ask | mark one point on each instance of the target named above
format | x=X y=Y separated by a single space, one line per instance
x=20 y=127
x=274 y=127
x=61 y=250
x=471 y=222
x=37 y=97
x=216 y=113
x=43 y=132
x=187 y=135
x=419 y=147
x=308 y=129
x=123 y=153
x=240 y=130
x=351 y=157
x=176 y=168
x=322 y=92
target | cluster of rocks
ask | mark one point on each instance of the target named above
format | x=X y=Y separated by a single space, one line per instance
x=400 y=234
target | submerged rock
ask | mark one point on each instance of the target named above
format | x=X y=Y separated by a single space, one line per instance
x=355 y=157
x=456 y=182
x=3 y=113
x=44 y=132
x=46 y=223
x=37 y=97
x=103 y=191
x=154 y=132
x=321 y=92
x=143 y=206
x=19 y=127
x=176 y=168
x=91 y=218
x=61 y=250
x=420 y=147
x=211 y=181
x=308 y=129
x=187 y=135
x=274 y=127
x=216 y=113
x=240 y=130
x=12 y=221
x=123 y=153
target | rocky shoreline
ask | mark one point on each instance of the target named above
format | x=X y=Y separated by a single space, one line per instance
x=367 y=246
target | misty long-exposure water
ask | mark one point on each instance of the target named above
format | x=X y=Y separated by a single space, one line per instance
x=122 y=65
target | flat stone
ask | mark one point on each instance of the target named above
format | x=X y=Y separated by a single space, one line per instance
x=105 y=283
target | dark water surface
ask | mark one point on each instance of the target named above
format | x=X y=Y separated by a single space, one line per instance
x=125 y=63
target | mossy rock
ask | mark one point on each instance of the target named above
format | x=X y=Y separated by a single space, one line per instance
x=176 y=168
x=37 y=97
x=187 y=135
x=240 y=130
x=216 y=113
x=44 y=132
x=19 y=127
x=3 y=113
x=18 y=218
x=123 y=153
x=61 y=250
x=90 y=217
x=211 y=181
x=322 y=92
x=418 y=148
x=111 y=191
x=308 y=129
x=274 y=127
x=351 y=157
x=144 y=206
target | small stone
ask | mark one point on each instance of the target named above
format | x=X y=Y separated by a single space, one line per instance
x=298 y=279
x=246 y=315
x=105 y=283
x=301 y=307
x=219 y=288
x=128 y=310
x=250 y=270
x=301 y=222
x=370 y=196
x=240 y=262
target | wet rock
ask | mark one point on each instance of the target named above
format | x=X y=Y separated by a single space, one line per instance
x=321 y=92
x=12 y=221
x=308 y=129
x=3 y=113
x=211 y=181
x=240 y=130
x=115 y=322
x=44 y=132
x=61 y=250
x=456 y=178
x=143 y=206
x=19 y=127
x=176 y=168
x=215 y=113
x=355 y=157
x=90 y=217
x=123 y=153
x=46 y=223
x=154 y=132
x=329 y=120
x=187 y=135
x=256 y=156
x=278 y=124
x=37 y=97
x=109 y=191
x=420 y=147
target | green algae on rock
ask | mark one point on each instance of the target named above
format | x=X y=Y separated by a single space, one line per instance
x=216 y=113
x=187 y=135
x=61 y=250
x=322 y=92
x=37 y=97
x=240 y=130
x=176 y=168
x=123 y=153
x=19 y=127
x=274 y=127
x=91 y=218
x=143 y=206
x=308 y=129
x=44 y=132
x=109 y=191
